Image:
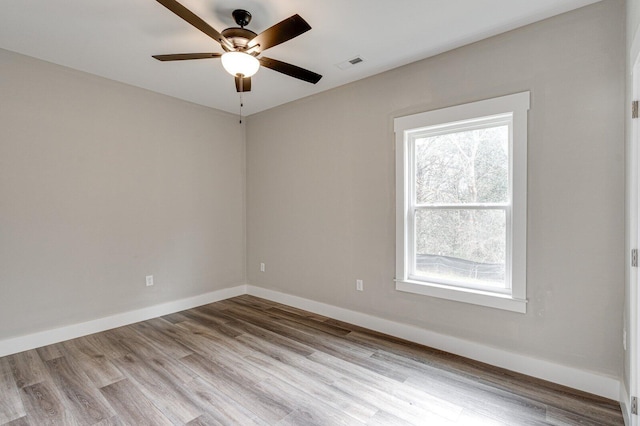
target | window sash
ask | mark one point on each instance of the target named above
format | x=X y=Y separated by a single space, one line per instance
x=412 y=249
x=412 y=136
x=460 y=126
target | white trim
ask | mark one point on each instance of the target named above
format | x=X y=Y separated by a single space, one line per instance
x=624 y=404
x=634 y=52
x=598 y=384
x=466 y=295
x=60 y=334
x=516 y=106
x=633 y=304
x=487 y=107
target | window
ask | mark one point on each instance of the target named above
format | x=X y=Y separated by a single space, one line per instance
x=461 y=180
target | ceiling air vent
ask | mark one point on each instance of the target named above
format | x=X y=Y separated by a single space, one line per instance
x=351 y=62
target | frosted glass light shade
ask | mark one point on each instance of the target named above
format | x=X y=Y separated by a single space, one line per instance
x=240 y=63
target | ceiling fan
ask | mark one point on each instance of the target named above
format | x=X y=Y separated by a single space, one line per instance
x=242 y=46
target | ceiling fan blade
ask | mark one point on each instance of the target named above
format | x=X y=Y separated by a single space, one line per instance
x=243 y=84
x=194 y=20
x=279 y=33
x=290 y=70
x=185 y=56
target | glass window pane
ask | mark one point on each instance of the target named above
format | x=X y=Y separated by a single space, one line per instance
x=470 y=166
x=461 y=245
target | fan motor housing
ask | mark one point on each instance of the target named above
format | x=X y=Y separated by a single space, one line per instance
x=239 y=37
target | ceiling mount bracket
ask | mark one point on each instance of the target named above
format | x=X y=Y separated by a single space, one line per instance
x=242 y=17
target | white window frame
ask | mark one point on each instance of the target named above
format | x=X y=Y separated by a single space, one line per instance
x=513 y=298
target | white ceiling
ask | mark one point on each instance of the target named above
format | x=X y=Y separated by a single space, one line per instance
x=116 y=38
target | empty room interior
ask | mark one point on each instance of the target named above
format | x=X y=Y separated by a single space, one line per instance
x=418 y=212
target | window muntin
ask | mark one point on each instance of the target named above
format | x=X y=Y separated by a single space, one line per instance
x=461 y=202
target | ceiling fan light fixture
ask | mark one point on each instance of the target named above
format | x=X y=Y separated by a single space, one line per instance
x=242 y=45
x=240 y=63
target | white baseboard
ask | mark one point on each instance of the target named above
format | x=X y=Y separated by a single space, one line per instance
x=48 y=337
x=608 y=387
x=624 y=404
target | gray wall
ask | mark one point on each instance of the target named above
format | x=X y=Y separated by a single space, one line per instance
x=102 y=184
x=320 y=188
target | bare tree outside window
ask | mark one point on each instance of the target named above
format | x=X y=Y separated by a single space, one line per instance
x=461 y=184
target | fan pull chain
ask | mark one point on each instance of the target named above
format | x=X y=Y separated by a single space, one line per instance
x=241 y=105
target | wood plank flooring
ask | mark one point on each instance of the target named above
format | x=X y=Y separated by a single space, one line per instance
x=248 y=361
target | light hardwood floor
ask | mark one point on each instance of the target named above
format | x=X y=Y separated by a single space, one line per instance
x=248 y=361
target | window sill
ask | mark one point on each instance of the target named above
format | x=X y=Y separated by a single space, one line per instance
x=476 y=297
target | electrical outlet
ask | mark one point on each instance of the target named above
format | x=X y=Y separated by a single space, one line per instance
x=149 y=280
x=359 y=285
x=262 y=268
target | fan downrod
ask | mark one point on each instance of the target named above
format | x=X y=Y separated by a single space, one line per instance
x=242 y=17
